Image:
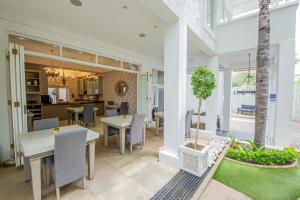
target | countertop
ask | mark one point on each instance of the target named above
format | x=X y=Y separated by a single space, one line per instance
x=68 y=103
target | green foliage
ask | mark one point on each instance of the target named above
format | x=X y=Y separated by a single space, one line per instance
x=239 y=79
x=255 y=147
x=264 y=157
x=203 y=82
x=234 y=142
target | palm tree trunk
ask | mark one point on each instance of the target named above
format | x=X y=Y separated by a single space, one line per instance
x=262 y=73
x=198 y=123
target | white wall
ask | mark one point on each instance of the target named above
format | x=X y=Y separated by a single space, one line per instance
x=193 y=12
x=242 y=34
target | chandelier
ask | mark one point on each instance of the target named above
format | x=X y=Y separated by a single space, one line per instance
x=249 y=80
x=52 y=73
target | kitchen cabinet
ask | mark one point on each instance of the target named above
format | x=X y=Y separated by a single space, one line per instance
x=90 y=86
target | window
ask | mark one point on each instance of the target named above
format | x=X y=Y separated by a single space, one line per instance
x=58 y=94
x=210 y=12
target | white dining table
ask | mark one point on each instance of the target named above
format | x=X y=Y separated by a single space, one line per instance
x=77 y=110
x=158 y=115
x=122 y=123
x=36 y=145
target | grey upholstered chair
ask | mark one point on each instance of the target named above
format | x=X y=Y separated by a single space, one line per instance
x=124 y=107
x=45 y=124
x=69 y=158
x=135 y=134
x=42 y=125
x=112 y=130
x=88 y=114
x=188 y=122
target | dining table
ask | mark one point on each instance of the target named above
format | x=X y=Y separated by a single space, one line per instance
x=36 y=145
x=122 y=123
x=76 y=111
x=158 y=116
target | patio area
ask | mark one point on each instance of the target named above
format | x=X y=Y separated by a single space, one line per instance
x=138 y=175
x=243 y=129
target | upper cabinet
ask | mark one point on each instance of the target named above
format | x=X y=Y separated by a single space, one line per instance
x=90 y=86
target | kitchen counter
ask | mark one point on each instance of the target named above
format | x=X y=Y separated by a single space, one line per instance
x=60 y=109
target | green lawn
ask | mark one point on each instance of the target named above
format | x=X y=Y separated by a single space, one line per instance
x=260 y=184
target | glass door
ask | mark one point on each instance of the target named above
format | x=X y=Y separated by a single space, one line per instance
x=143 y=99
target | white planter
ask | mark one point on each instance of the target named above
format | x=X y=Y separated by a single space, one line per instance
x=193 y=161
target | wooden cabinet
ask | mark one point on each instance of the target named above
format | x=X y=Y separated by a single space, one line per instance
x=90 y=86
x=100 y=106
x=57 y=110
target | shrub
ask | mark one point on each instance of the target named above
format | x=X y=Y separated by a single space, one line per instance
x=264 y=157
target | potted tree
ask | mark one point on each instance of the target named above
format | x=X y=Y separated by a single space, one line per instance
x=193 y=156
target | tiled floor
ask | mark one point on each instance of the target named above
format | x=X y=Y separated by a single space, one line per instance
x=131 y=176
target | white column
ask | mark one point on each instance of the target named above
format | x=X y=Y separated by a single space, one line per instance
x=4 y=133
x=175 y=58
x=212 y=101
x=285 y=85
x=227 y=99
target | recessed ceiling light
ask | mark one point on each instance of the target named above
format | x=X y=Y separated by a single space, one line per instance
x=142 y=35
x=125 y=7
x=155 y=26
x=76 y=2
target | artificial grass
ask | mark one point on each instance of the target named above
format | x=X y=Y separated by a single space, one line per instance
x=259 y=183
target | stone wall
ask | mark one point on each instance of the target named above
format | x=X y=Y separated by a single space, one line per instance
x=110 y=79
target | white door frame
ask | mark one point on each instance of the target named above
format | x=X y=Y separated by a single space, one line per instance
x=147 y=74
x=18 y=96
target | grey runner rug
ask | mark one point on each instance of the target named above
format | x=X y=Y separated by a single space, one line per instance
x=182 y=186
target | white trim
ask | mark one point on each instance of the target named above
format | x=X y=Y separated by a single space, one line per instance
x=69 y=60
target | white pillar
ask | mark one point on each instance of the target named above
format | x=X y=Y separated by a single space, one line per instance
x=175 y=58
x=4 y=133
x=227 y=99
x=212 y=101
x=285 y=85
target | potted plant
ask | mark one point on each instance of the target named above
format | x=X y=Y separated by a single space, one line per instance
x=193 y=156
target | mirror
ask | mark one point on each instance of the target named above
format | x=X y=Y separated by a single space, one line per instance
x=121 y=88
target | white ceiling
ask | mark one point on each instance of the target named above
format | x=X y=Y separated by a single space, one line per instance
x=103 y=20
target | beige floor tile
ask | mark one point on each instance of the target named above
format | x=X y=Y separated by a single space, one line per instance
x=126 y=189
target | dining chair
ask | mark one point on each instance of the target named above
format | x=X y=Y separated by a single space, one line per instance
x=37 y=126
x=68 y=164
x=43 y=124
x=134 y=135
x=188 y=122
x=88 y=114
x=124 y=107
x=112 y=130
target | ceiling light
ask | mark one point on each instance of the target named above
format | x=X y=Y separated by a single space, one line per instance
x=76 y=2
x=155 y=26
x=80 y=52
x=124 y=7
x=142 y=35
x=21 y=38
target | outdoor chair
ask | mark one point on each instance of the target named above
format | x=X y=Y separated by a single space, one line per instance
x=134 y=135
x=188 y=123
x=112 y=130
x=88 y=114
x=68 y=164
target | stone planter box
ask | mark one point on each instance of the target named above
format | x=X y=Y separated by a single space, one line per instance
x=192 y=160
